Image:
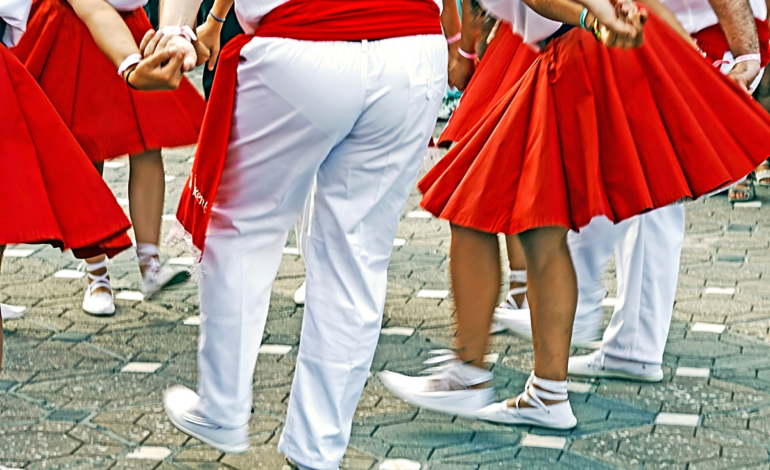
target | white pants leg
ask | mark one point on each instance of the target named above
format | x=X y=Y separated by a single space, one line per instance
x=647 y=263
x=359 y=116
x=591 y=250
x=362 y=188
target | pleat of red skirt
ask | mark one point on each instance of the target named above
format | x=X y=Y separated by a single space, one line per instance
x=590 y=131
x=108 y=118
x=50 y=191
x=506 y=60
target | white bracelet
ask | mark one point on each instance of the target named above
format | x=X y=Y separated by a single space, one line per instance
x=185 y=31
x=748 y=58
x=467 y=55
x=130 y=61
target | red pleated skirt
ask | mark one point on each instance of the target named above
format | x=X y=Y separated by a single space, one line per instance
x=50 y=191
x=590 y=131
x=108 y=118
x=504 y=63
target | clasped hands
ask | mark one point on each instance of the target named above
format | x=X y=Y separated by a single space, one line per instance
x=621 y=23
x=166 y=57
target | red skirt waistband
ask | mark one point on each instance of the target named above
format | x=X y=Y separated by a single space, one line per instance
x=351 y=20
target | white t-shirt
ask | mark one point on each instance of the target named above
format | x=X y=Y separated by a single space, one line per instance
x=15 y=14
x=125 y=5
x=532 y=27
x=250 y=12
x=696 y=15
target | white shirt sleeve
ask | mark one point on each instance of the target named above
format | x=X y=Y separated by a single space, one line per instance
x=525 y=22
x=15 y=13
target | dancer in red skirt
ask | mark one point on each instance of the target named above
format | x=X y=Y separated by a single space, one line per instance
x=49 y=190
x=63 y=51
x=587 y=132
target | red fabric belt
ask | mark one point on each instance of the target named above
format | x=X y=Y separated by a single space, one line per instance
x=337 y=20
x=713 y=42
x=309 y=20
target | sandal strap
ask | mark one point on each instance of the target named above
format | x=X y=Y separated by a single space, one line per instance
x=517 y=275
x=97 y=280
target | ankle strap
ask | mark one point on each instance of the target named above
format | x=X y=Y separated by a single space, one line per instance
x=97 y=280
x=519 y=275
x=551 y=390
x=95 y=266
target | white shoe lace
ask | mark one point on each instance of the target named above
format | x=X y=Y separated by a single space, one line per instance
x=515 y=276
x=97 y=280
x=446 y=373
x=534 y=395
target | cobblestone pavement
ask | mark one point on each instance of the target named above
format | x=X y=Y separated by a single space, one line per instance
x=84 y=392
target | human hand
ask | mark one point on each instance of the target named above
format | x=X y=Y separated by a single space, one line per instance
x=161 y=71
x=208 y=37
x=153 y=42
x=461 y=69
x=744 y=74
x=629 y=13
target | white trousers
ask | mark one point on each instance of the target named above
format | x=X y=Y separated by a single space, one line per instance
x=357 y=117
x=647 y=252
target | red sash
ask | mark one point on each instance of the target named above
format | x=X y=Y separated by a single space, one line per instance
x=713 y=42
x=310 y=20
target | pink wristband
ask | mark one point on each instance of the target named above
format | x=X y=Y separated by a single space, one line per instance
x=185 y=31
x=748 y=58
x=454 y=39
x=130 y=61
x=467 y=55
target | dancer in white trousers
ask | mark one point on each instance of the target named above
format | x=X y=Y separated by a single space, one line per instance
x=352 y=105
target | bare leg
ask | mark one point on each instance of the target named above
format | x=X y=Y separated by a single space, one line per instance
x=98 y=259
x=552 y=299
x=517 y=262
x=475 y=272
x=146 y=191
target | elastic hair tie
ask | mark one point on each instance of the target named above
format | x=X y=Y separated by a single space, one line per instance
x=216 y=18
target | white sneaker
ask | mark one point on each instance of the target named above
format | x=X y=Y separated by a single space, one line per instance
x=99 y=304
x=446 y=388
x=181 y=403
x=158 y=277
x=11 y=312
x=520 y=324
x=299 y=295
x=598 y=365
x=556 y=416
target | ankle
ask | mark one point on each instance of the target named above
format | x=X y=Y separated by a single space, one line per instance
x=149 y=257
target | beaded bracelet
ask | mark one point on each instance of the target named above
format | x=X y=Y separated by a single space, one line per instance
x=583 y=15
x=595 y=29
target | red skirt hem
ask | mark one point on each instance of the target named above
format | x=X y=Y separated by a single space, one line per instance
x=49 y=190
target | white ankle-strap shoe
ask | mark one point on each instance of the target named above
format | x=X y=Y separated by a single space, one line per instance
x=11 y=312
x=299 y=294
x=98 y=303
x=556 y=416
x=181 y=407
x=446 y=388
x=158 y=277
x=599 y=365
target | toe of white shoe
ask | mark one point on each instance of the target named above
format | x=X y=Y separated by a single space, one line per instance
x=100 y=303
x=299 y=295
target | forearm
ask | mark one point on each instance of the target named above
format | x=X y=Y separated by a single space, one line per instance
x=737 y=21
x=179 y=12
x=563 y=11
x=221 y=8
x=666 y=15
x=450 y=18
x=108 y=29
x=471 y=26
